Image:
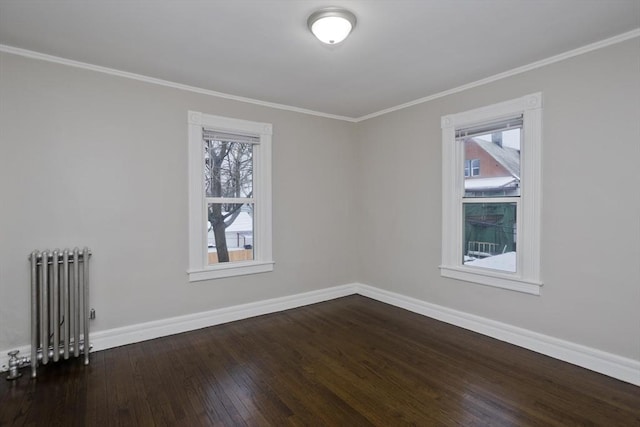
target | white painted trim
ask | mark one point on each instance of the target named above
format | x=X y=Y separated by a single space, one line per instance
x=493 y=278
x=199 y=269
x=166 y=83
x=527 y=277
x=514 y=71
x=615 y=366
x=161 y=328
x=230 y=269
x=229 y=124
x=509 y=73
x=242 y=200
x=196 y=208
x=102 y=340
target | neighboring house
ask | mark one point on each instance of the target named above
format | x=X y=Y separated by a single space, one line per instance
x=239 y=234
x=490 y=168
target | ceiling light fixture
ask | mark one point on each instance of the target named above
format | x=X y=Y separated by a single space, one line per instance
x=331 y=25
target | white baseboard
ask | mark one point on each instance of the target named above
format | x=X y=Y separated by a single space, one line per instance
x=615 y=366
x=102 y=340
x=175 y=325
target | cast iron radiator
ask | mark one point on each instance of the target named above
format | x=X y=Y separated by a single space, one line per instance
x=59 y=306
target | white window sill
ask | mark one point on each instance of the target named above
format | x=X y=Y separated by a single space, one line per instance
x=230 y=270
x=490 y=278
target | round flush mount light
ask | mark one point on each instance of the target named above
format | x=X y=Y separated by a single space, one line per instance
x=331 y=25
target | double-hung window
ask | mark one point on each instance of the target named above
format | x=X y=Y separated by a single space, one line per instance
x=491 y=195
x=229 y=197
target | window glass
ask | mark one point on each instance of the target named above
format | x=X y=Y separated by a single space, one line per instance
x=492 y=164
x=228 y=169
x=490 y=235
x=228 y=183
x=475 y=167
x=234 y=239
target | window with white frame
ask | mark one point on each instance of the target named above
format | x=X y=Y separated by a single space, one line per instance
x=229 y=197
x=472 y=167
x=491 y=214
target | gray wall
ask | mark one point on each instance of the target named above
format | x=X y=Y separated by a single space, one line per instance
x=92 y=159
x=352 y=202
x=591 y=207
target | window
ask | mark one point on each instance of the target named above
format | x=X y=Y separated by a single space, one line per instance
x=229 y=197
x=491 y=216
x=472 y=167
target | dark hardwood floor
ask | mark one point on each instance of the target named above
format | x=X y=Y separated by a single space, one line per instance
x=348 y=362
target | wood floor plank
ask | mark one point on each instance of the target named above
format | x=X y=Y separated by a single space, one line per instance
x=351 y=361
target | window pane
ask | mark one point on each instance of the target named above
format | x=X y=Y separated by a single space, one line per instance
x=492 y=164
x=228 y=170
x=490 y=235
x=230 y=232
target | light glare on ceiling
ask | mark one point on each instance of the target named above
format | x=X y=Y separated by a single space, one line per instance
x=331 y=25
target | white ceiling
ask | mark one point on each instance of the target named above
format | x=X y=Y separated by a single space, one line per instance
x=400 y=51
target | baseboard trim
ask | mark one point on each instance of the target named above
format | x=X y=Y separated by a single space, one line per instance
x=102 y=340
x=609 y=364
x=615 y=366
x=160 y=328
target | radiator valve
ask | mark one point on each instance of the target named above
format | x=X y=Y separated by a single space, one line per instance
x=15 y=363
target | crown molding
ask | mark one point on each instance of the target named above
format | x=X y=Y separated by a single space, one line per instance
x=133 y=76
x=519 y=70
x=514 y=71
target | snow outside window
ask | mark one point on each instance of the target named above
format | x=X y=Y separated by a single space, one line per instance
x=491 y=195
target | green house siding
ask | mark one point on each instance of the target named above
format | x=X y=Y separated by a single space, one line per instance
x=493 y=223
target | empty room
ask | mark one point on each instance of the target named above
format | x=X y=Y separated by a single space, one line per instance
x=357 y=212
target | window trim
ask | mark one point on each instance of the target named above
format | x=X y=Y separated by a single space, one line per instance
x=527 y=277
x=199 y=269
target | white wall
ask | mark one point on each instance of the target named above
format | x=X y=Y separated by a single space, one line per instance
x=591 y=207
x=116 y=149
x=92 y=159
